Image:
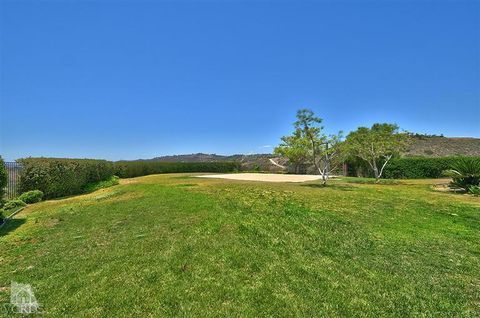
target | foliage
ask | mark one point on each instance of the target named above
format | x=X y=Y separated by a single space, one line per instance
x=357 y=167
x=250 y=249
x=91 y=187
x=13 y=204
x=33 y=196
x=62 y=177
x=309 y=144
x=376 y=145
x=3 y=178
x=417 y=167
x=130 y=169
x=475 y=190
x=465 y=172
x=294 y=148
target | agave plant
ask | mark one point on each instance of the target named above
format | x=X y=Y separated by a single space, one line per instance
x=465 y=174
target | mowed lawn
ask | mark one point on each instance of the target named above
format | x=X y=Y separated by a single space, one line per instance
x=179 y=246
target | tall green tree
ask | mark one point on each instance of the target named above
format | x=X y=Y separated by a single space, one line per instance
x=376 y=145
x=310 y=128
x=310 y=143
x=330 y=152
x=294 y=148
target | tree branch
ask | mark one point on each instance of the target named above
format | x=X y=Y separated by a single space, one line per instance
x=384 y=164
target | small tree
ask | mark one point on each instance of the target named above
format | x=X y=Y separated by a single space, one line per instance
x=376 y=145
x=308 y=143
x=294 y=148
x=330 y=153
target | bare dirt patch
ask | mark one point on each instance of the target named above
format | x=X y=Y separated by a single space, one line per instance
x=266 y=177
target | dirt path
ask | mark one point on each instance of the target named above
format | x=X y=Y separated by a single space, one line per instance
x=267 y=177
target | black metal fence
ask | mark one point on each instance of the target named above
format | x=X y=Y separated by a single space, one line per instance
x=13 y=172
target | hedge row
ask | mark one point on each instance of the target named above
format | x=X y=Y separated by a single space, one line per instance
x=419 y=167
x=407 y=167
x=130 y=169
x=62 y=177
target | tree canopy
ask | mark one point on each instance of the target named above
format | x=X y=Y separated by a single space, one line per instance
x=294 y=148
x=309 y=144
x=376 y=145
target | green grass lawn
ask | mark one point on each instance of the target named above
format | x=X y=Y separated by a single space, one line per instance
x=173 y=245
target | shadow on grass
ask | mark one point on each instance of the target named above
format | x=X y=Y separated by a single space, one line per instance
x=183 y=177
x=183 y=185
x=359 y=180
x=330 y=186
x=11 y=225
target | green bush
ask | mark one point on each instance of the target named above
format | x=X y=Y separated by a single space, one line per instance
x=357 y=167
x=130 y=169
x=62 y=177
x=33 y=196
x=465 y=173
x=3 y=179
x=13 y=204
x=408 y=167
x=420 y=167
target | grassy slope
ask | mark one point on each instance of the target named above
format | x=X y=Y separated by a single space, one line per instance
x=170 y=245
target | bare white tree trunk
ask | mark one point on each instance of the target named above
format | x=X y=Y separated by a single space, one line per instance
x=384 y=164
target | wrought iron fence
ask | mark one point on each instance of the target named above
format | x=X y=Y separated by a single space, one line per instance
x=13 y=172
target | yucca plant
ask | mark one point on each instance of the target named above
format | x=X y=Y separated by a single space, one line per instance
x=465 y=173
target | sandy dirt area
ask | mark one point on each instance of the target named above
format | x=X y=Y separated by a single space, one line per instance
x=267 y=177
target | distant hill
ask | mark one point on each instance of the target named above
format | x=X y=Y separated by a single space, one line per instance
x=196 y=157
x=436 y=146
x=425 y=146
x=260 y=162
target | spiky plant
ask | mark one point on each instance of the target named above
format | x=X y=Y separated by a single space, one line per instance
x=475 y=190
x=465 y=173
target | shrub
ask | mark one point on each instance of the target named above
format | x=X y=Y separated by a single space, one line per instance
x=408 y=167
x=3 y=179
x=465 y=173
x=33 y=196
x=13 y=204
x=358 y=168
x=420 y=167
x=129 y=169
x=62 y=177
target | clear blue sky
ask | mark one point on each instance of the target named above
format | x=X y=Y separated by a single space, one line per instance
x=125 y=80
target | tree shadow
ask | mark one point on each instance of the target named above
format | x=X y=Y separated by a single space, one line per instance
x=331 y=186
x=11 y=226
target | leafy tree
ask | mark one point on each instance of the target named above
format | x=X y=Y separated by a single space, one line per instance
x=294 y=148
x=330 y=154
x=376 y=145
x=308 y=143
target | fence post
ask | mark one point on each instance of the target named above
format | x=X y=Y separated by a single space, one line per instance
x=13 y=175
